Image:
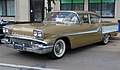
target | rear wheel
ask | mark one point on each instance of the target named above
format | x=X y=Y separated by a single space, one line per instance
x=105 y=39
x=58 y=49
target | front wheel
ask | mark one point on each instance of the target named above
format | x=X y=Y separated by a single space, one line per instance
x=58 y=49
x=105 y=39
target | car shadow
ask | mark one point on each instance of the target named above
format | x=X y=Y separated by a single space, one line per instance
x=87 y=47
x=94 y=45
x=115 y=38
x=34 y=56
x=83 y=48
x=46 y=57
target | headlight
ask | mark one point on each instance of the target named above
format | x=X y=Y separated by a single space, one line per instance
x=35 y=33
x=5 y=30
x=38 y=34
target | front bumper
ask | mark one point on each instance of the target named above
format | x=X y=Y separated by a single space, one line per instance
x=27 y=44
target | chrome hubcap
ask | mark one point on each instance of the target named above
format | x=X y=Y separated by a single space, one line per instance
x=59 y=48
x=106 y=38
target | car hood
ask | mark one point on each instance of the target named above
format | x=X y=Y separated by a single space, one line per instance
x=27 y=29
x=35 y=26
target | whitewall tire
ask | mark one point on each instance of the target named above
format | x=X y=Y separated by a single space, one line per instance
x=58 y=49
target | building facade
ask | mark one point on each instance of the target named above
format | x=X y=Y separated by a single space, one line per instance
x=36 y=10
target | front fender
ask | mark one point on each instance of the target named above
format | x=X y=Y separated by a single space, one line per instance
x=50 y=41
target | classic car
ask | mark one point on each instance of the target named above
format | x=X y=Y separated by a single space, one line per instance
x=60 y=31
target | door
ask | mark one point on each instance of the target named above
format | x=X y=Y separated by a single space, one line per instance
x=96 y=24
x=91 y=29
x=36 y=10
x=88 y=32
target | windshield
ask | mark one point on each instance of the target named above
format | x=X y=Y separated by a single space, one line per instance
x=64 y=17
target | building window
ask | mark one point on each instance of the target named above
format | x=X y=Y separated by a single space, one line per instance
x=105 y=8
x=7 y=8
x=72 y=4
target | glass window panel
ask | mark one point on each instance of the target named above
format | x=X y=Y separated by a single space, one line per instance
x=66 y=1
x=95 y=1
x=105 y=8
x=66 y=6
x=36 y=6
x=78 y=6
x=72 y=4
x=0 y=8
x=7 y=8
x=94 y=19
x=108 y=1
x=95 y=7
x=78 y=1
x=3 y=8
x=10 y=8
x=108 y=10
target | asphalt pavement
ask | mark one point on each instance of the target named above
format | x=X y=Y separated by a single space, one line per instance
x=91 y=57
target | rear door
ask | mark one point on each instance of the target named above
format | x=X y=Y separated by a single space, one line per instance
x=95 y=22
x=88 y=31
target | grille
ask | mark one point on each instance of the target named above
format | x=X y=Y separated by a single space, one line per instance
x=27 y=43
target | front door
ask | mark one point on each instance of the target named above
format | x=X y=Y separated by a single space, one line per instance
x=36 y=10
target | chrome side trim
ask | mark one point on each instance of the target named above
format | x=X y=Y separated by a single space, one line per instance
x=108 y=29
x=25 y=38
x=83 y=32
x=98 y=30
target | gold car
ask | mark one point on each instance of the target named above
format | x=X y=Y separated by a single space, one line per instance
x=61 y=30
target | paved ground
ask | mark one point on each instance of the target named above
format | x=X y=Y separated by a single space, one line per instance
x=92 y=57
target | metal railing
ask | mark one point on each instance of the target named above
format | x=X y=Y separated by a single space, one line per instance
x=22 y=67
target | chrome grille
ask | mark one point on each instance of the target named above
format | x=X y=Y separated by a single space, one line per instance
x=27 y=43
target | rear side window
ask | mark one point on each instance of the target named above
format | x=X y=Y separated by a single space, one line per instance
x=94 y=19
x=85 y=18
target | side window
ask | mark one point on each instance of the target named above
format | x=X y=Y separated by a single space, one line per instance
x=71 y=19
x=74 y=19
x=94 y=19
x=85 y=18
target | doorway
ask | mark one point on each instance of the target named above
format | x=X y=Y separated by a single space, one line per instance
x=36 y=10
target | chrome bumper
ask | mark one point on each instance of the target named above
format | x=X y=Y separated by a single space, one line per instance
x=27 y=45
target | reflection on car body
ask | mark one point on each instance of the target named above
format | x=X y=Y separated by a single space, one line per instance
x=61 y=30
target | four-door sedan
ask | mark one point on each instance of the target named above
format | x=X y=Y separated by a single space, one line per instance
x=61 y=30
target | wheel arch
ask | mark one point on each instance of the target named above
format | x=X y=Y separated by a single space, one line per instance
x=109 y=34
x=105 y=38
x=67 y=42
